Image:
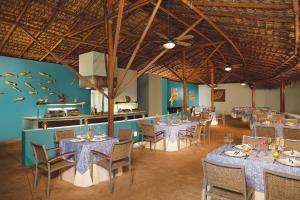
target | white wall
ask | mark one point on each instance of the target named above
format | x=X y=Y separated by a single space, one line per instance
x=237 y=95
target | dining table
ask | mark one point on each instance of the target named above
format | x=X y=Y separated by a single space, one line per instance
x=82 y=148
x=278 y=127
x=171 y=130
x=255 y=163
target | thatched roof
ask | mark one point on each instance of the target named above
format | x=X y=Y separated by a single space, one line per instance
x=261 y=35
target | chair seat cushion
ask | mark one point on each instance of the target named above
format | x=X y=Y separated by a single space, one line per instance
x=57 y=165
x=227 y=194
x=115 y=165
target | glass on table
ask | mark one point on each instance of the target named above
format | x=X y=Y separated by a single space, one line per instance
x=228 y=139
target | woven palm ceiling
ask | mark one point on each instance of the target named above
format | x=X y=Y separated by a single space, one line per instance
x=262 y=35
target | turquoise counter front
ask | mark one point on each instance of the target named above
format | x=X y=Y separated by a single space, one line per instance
x=47 y=136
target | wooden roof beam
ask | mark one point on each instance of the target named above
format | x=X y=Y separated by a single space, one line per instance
x=296 y=24
x=13 y=28
x=201 y=14
x=135 y=51
x=243 y=5
x=57 y=58
x=187 y=25
x=128 y=9
x=149 y=64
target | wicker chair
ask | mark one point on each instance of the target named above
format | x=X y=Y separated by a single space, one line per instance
x=253 y=141
x=63 y=135
x=195 y=118
x=125 y=134
x=49 y=165
x=191 y=134
x=291 y=133
x=261 y=116
x=292 y=145
x=120 y=157
x=149 y=135
x=281 y=186
x=226 y=182
x=205 y=116
x=206 y=131
x=262 y=131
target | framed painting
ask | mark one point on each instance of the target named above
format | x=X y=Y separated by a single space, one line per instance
x=219 y=95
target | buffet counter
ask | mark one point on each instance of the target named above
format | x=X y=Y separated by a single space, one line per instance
x=39 y=122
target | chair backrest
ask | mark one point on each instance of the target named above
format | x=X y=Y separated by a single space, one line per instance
x=291 y=133
x=291 y=121
x=147 y=129
x=121 y=150
x=225 y=176
x=253 y=140
x=260 y=116
x=197 y=131
x=64 y=134
x=205 y=115
x=156 y=120
x=262 y=131
x=195 y=118
x=125 y=134
x=281 y=186
x=40 y=153
x=292 y=145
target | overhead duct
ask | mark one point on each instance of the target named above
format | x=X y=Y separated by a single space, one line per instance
x=92 y=67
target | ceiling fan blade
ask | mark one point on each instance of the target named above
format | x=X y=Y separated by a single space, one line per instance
x=237 y=65
x=186 y=37
x=162 y=36
x=186 y=44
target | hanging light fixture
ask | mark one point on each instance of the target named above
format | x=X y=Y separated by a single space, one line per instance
x=228 y=68
x=243 y=83
x=169 y=45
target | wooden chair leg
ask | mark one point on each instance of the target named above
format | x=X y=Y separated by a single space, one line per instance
x=130 y=174
x=150 y=145
x=48 y=183
x=165 y=144
x=110 y=181
x=36 y=177
x=155 y=146
x=178 y=143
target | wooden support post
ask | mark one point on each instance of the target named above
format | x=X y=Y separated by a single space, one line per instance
x=184 y=85
x=253 y=88
x=112 y=52
x=296 y=24
x=282 y=94
x=212 y=89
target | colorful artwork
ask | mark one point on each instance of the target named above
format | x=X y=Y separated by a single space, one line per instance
x=191 y=95
x=219 y=95
x=174 y=95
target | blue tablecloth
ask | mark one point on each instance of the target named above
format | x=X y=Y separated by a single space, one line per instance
x=278 y=128
x=254 y=166
x=83 y=150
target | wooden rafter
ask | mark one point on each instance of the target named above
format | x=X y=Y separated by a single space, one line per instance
x=207 y=58
x=242 y=5
x=62 y=62
x=141 y=72
x=138 y=46
x=201 y=14
x=296 y=25
x=128 y=9
x=13 y=28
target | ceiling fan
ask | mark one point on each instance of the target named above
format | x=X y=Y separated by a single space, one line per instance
x=228 y=67
x=169 y=42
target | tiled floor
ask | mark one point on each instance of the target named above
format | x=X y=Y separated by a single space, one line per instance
x=157 y=175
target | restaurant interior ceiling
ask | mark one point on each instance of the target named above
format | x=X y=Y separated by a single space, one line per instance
x=259 y=39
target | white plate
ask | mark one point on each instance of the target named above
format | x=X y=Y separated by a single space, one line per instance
x=291 y=154
x=77 y=140
x=162 y=123
x=290 y=162
x=100 y=136
x=98 y=139
x=235 y=153
x=241 y=146
x=80 y=136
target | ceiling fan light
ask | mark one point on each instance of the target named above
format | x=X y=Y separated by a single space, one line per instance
x=243 y=83
x=228 y=68
x=169 y=45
